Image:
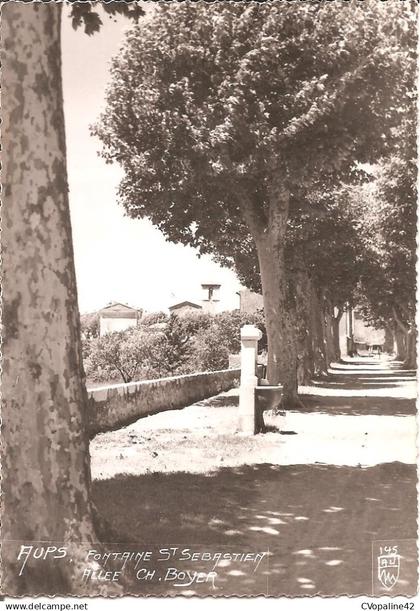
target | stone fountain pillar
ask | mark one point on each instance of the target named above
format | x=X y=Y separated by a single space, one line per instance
x=250 y=336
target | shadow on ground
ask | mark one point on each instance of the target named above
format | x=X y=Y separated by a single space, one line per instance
x=319 y=526
x=358 y=406
x=317 y=521
x=361 y=387
x=339 y=405
x=332 y=394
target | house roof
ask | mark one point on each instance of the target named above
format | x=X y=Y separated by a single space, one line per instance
x=119 y=310
x=182 y=304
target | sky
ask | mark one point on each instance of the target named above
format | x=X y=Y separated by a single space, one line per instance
x=117 y=258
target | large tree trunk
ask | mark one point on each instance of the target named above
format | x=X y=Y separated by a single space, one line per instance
x=319 y=352
x=46 y=470
x=327 y=317
x=406 y=336
x=336 y=319
x=281 y=334
x=269 y=235
x=410 y=360
x=389 y=340
x=305 y=356
x=400 y=342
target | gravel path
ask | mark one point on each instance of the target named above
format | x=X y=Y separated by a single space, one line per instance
x=320 y=496
x=374 y=426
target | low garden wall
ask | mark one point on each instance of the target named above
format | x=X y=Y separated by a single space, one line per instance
x=112 y=407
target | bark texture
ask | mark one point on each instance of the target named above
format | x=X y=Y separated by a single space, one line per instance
x=282 y=353
x=305 y=355
x=268 y=229
x=46 y=470
x=336 y=319
x=400 y=343
x=318 y=343
x=410 y=360
x=389 y=340
x=281 y=332
x=327 y=326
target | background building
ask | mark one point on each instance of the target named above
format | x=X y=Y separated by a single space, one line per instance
x=118 y=317
x=356 y=334
x=211 y=298
x=208 y=301
x=249 y=301
x=185 y=307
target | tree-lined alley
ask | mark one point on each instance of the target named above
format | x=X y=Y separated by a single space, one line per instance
x=236 y=125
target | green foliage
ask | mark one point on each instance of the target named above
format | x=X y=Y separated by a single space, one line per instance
x=388 y=227
x=153 y=318
x=213 y=344
x=187 y=344
x=210 y=351
x=193 y=323
x=126 y=355
x=385 y=219
x=230 y=118
x=229 y=326
x=207 y=105
x=324 y=239
x=177 y=346
x=89 y=325
x=84 y=14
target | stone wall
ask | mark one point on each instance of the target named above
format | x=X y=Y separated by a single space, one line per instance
x=113 y=407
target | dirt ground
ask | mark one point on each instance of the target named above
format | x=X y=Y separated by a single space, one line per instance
x=315 y=498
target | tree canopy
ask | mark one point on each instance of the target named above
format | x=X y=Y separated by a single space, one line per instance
x=226 y=116
x=179 y=345
x=84 y=14
x=208 y=102
x=387 y=220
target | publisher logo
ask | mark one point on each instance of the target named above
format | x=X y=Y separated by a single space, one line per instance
x=394 y=567
x=388 y=566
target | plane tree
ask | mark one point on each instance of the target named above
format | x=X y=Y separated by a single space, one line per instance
x=325 y=258
x=45 y=461
x=324 y=251
x=222 y=114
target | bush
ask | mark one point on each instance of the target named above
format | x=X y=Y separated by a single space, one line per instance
x=230 y=323
x=187 y=344
x=126 y=355
x=89 y=325
x=210 y=352
x=153 y=318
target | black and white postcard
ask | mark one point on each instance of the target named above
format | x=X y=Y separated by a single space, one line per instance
x=209 y=220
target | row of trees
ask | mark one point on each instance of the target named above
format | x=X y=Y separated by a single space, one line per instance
x=173 y=346
x=241 y=128
x=388 y=208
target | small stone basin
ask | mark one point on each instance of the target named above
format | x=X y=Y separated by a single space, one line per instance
x=268 y=396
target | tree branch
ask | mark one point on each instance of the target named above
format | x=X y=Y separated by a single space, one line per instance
x=252 y=214
x=323 y=106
